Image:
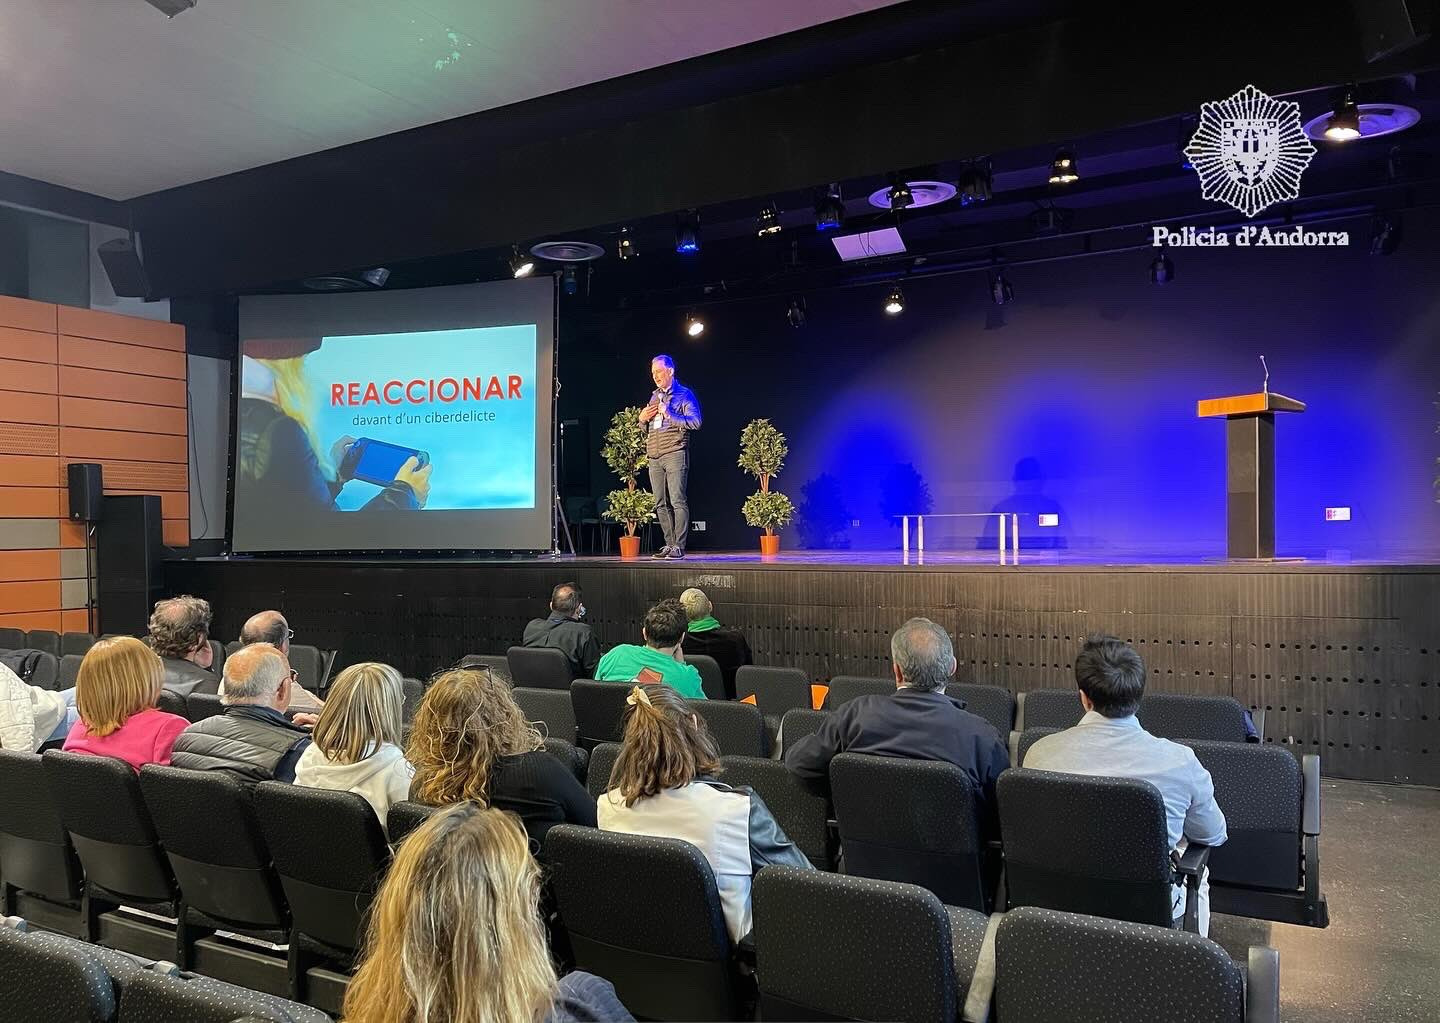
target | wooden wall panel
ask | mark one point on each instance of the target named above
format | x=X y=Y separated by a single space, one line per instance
x=91 y=354
x=28 y=407
x=29 y=471
x=176 y=532
x=72 y=534
x=39 y=377
x=41 y=595
x=94 y=383
x=131 y=330
x=25 y=439
x=28 y=620
x=76 y=443
x=74 y=621
x=144 y=477
x=28 y=315
x=174 y=504
x=27 y=345
x=21 y=566
x=121 y=415
x=29 y=502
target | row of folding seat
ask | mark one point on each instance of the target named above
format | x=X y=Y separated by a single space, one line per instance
x=48 y=640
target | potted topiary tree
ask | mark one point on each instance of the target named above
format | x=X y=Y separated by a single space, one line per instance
x=624 y=453
x=762 y=455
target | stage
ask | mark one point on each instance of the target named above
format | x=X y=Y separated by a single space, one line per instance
x=1345 y=657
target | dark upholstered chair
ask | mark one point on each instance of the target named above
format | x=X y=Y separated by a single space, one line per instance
x=602 y=761
x=1049 y=708
x=1269 y=867
x=738 y=728
x=68 y=671
x=776 y=690
x=498 y=663
x=644 y=914
x=309 y=661
x=539 y=667
x=159 y=997
x=232 y=646
x=50 y=977
x=13 y=639
x=802 y=814
x=1028 y=738
x=217 y=664
x=844 y=688
x=199 y=706
x=575 y=759
x=1192 y=716
x=816 y=936
x=46 y=672
x=599 y=710
x=172 y=702
x=995 y=704
x=405 y=817
x=796 y=724
x=330 y=853
x=76 y=643
x=412 y=692
x=1094 y=845
x=1045 y=970
x=36 y=855
x=712 y=679
x=99 y=800
x=43 y=639
x=916 y=821
x=550 y=707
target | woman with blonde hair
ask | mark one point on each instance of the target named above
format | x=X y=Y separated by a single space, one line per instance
x=356 y=742
x=455 y=934
x=663 y=784
x=470 y=740
x=115 y=693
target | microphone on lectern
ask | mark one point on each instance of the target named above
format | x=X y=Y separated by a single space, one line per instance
x=1266 y=386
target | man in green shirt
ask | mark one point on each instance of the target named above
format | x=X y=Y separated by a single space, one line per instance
x=664 y=631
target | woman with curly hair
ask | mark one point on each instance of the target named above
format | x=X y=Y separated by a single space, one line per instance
x=470 y=741
x=455 y=934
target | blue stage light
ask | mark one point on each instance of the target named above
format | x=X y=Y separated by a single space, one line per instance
x=687 y=233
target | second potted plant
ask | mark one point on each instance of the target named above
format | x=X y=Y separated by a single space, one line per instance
x=762 y=455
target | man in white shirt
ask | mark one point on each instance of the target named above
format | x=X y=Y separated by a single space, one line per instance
x=1109 y=742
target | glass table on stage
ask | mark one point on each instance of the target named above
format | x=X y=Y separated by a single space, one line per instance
x=1014 y=531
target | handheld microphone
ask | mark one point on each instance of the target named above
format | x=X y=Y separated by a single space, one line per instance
x=1266 y=385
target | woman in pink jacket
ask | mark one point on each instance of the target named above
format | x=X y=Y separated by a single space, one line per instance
x=119 y=681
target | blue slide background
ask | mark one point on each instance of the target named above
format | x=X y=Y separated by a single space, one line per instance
x=477 y=464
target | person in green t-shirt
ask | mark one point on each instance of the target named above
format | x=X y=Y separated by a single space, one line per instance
x=664 y=631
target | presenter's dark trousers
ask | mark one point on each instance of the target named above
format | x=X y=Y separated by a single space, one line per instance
x=668 y=476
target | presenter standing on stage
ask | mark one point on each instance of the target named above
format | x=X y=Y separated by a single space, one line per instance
x=672 y=413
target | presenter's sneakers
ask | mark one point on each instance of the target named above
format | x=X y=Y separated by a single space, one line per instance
x=662 y=553
x=674 y=553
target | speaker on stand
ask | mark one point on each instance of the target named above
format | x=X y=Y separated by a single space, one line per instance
x=87 y=490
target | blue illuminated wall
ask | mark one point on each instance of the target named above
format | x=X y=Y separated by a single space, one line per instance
x=1078 y=398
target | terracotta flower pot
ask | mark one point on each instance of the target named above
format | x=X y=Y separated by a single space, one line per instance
x=770 y=544
x=629 y=547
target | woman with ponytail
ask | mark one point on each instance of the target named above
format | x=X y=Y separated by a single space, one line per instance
x=663 y=784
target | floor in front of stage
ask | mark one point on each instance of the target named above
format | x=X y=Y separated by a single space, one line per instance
x=1379 y=960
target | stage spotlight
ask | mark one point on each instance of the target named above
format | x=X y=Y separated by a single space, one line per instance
x=687 y=233
x=895 y=301
x=1161 y=269
x=1344 y=123
x=625 y=247
x=1001 y=290
x=569 y=280
x=694 y=325
x=376 y=278
x=975 y=183
x=768 y=222
x=829 y=210
x=900 y=195
x=1063 y=169
x=521 y=265
x=795 y=315
x=1386 y=234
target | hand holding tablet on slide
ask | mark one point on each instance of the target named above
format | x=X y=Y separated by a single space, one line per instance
x=383 y=464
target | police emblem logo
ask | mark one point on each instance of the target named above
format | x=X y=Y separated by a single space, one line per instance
x=1250 y=150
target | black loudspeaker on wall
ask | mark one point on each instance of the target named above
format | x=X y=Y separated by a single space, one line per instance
x=129 y=549
x=87 y=486
x=123 y=267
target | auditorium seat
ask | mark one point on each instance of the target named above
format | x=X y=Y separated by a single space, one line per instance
x=76 y=643
x=1093 y=845
x=412 y=691
x=1269 y=866
x=1049 y=708
x=549 y=707
x=597 y=774
x=802 y=814
x=217 y=650
x=232 y=647
x=498 y=663
x=819 y=939
x=643 y=913
x=1046 y=969
x=199 y=706
x=159 y=995
x=206 y=824
x=404 y=817
x=331 y=854
x=50 y=977
x=1028 y=738
x=36 y=854
x=68 y=671
x=1192 y=716
x=576 y=760
x=844 y=688
x=712 y=679
x=43 y=639
x=310 y=662
x=540 y=667
x=12 y=639
x=737 y=728
x=931 y=836
x=172 y=702
x=776 y=690
x=995 y=704
x=99 y=800
x=599 y=711
x=798 y=723
x=47 y=671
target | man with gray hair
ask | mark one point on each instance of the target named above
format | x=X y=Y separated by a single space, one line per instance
x=271 y=627
x=251 y=739
x=704 y=635
x=918 y=721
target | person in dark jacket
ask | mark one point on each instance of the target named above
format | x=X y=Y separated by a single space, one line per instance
x=704 y=635
x=918 y=721
x=565 y=631
x=252 y=739
x=673 y=411
x=180 y=634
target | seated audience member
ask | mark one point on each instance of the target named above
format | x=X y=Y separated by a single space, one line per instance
x=115 y=693
x=470 y=740
x=455 y=934
x=566 y=631
x=660 y=659
x=918 y=721
x=180 y=634
x=664 y=785
x=271 y=627
x=356 y=745
x=1109 y=742
x=31 y=716
x=251 y=739
x=704 y=635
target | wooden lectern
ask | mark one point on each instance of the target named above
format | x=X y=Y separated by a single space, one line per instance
x=1249 y=468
